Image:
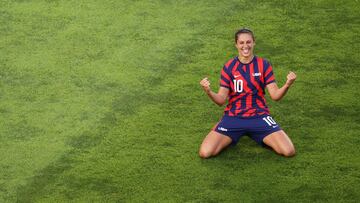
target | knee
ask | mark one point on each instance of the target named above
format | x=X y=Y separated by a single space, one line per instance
x=205 y=153
x=289 y=152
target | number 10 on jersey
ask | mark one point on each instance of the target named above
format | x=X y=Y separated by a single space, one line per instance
x=238 y=85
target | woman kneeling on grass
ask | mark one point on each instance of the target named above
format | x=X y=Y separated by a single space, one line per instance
x=243 y=82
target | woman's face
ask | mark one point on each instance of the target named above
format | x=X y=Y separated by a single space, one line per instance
x=245 y=45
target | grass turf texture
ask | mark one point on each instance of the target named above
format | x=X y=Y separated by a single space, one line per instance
x=100 y=101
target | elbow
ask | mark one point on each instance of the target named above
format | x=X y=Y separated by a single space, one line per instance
x=275 y=98
x=221 y=103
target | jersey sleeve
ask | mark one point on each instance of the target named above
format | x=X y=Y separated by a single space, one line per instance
x=225 y=78
x=269 y=74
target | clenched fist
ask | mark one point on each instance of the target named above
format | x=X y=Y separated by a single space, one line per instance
x=291 y=77
x=205 y=84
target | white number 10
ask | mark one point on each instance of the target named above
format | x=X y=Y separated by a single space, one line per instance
x=238 y=85
x=270 y=121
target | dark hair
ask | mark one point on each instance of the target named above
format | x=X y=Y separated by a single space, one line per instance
x=244 y=30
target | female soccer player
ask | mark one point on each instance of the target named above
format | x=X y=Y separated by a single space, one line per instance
x=243 y=82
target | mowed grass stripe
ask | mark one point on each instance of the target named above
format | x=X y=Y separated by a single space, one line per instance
x=177 y=50
x=49 y=95
x=72 y=91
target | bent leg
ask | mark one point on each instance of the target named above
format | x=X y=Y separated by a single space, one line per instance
x=213 y=143
x=280 y=143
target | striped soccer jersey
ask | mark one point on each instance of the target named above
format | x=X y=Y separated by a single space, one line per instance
x=246 y=83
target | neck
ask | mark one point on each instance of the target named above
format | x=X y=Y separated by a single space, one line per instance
x=244 y=59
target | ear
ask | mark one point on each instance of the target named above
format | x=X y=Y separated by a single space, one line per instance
x=236 y=45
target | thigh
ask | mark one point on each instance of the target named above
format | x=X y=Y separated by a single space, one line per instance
x=261 y=127
x=214 y=142
x=280 y=142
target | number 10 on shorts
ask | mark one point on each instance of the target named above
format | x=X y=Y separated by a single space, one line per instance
x=270 y=121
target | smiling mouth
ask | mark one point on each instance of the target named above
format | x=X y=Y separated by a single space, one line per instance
x=246 y=51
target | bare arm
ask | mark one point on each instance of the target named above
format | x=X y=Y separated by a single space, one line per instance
x=220 y=97
x=277 y=93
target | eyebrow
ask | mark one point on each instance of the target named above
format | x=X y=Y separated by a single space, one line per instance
x=244 y=40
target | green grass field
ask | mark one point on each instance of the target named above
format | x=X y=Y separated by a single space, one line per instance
x=100 y=101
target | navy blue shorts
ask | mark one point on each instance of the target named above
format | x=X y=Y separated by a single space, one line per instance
x=256 y=128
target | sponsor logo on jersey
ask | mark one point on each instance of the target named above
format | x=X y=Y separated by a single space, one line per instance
x=256 y=74
x=236 y=76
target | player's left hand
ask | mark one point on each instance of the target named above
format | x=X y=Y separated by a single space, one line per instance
x=291 y=77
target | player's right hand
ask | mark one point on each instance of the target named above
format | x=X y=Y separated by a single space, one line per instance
x=205 y=84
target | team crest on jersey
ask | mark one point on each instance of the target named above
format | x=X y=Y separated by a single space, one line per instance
x=256 y=74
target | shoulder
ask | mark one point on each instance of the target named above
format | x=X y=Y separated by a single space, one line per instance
x=266 y=63
x=263 y=60
x=230 y=63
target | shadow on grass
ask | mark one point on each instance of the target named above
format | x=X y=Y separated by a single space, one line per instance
x=126 y=105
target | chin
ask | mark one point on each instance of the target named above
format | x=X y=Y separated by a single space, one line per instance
x=246 y=55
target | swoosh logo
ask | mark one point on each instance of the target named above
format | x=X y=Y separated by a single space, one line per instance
x=236 y=76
